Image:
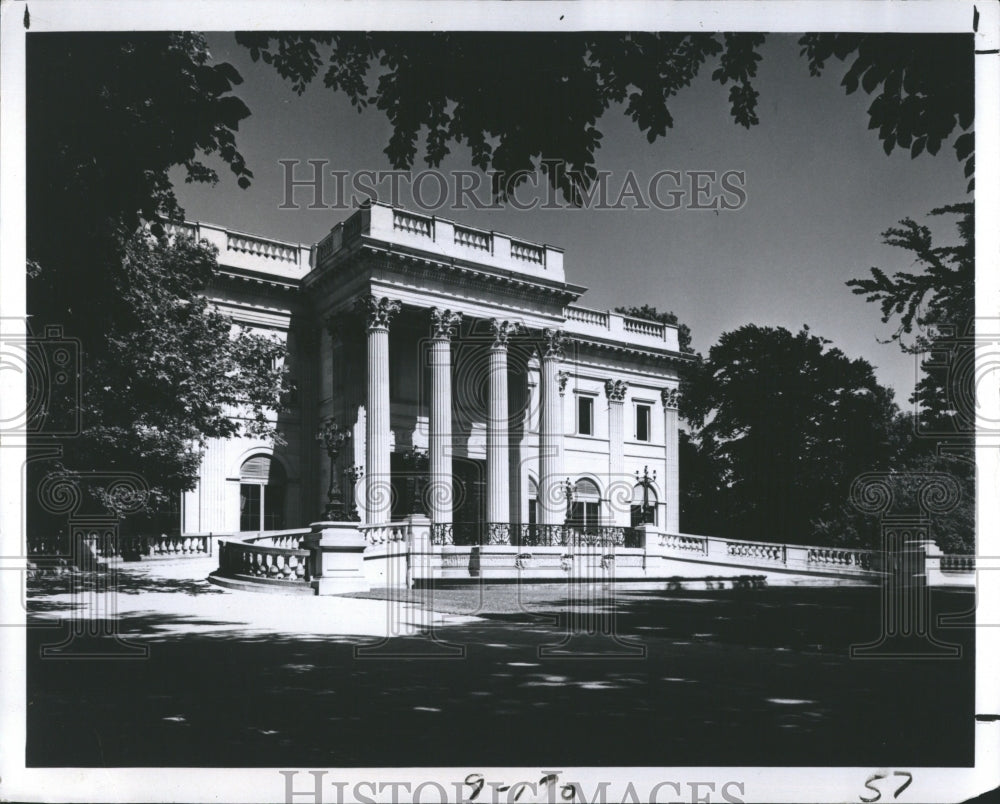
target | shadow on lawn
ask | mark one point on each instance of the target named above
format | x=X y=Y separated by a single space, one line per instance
x=762 y=677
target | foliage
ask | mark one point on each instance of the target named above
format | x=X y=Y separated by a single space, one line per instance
x=172 y=374
x=785 y=424
x=925 y=86
x=650 y=313
x=470 y=88
x=937 y=306
x=459 y=87
x=701 y=488
x=108 y=115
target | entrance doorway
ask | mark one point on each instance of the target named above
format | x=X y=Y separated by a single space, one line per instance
x=262 y=494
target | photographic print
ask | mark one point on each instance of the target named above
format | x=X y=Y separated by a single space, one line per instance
x=499 y=402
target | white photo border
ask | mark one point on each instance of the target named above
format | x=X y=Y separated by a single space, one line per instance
x=771 y=784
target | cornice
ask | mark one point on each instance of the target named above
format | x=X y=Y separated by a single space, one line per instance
x=276 y=284
x=467 y=274
x=669 y=357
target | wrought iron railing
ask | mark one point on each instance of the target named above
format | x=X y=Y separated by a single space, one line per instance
x=528 y=535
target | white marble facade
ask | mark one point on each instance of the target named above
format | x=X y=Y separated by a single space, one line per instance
x=456 y=357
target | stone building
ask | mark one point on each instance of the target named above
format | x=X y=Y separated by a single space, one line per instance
x=465 y=380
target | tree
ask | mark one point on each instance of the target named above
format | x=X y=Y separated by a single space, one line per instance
x=108 y=115
x=468 y=88
x=701 y=490
x=935 y=307
x=171 y=374
x=650 y=313
x=925 y=86
x=787 y=423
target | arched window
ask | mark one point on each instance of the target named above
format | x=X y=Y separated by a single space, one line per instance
x=262 y=494
x=644 y=504
x=585 y=512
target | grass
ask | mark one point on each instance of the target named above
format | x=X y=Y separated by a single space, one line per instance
x=744 y=677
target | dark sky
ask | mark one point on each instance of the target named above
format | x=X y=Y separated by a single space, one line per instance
x=819 y=187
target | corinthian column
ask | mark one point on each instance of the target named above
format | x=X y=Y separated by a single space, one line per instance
x=551 y=506
x=379 y=312
x=616 y=453
x=443 y=323
x=671 y=487
x=497 y=426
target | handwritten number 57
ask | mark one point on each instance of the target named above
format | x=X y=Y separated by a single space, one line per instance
x=875 y=777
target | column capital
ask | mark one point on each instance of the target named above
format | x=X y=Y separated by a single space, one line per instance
x=501 y=331
x=562 y=377
x=378 y=310
x=615 y=390
x=670 y=397
x=552 y=344
x=443 y=323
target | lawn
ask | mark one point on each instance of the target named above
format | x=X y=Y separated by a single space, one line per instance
x=745 y=677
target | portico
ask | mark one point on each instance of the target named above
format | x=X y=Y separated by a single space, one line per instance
x=475 y=353
x=478 y=405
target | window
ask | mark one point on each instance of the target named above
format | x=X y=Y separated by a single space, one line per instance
x=585 y=511
x=262 y=494
x=642 y=421
x=585 y=415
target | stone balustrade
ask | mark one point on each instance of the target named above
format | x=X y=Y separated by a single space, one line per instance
x=643 y=327
x=280 y=538
x=606 y=325
x=179 y=545
x=526 y=252
x=106 y=543
x=834 y=557
x=677 y=541
x=417 y=551
x=259 y=247
x=599 y=318
x=412 y=223
x=761 y=551
x=385 y=533
x=249 y=253
x=958 y=563
x=473 y=238
x=445 y=238
x=278 y=565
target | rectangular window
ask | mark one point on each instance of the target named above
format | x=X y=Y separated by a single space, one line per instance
x=250 y=506
x=642 y=421
x=274 y=507
x=585 y=415
x=585 y=515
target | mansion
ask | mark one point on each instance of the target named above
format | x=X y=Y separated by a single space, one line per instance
x=456 y=377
